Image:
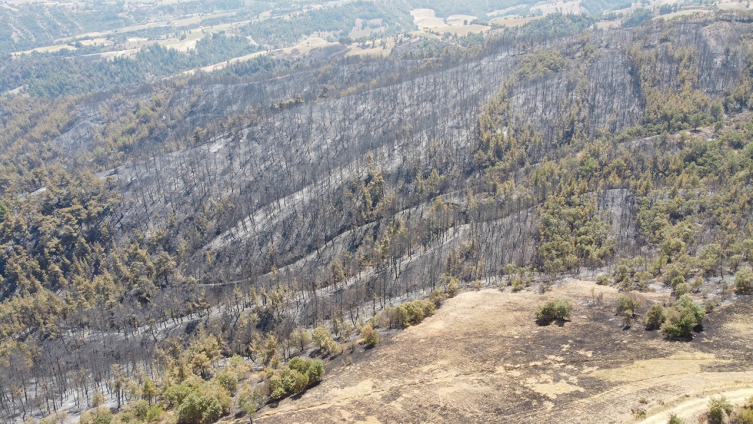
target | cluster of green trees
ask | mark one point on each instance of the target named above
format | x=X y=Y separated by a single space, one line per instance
x=338 y=20
x=35 y=25
x=553 y=309
x=56 y=76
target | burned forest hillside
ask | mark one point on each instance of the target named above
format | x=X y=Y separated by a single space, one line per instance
x=201 y=247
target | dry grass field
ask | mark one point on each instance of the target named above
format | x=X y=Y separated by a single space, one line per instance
x=514 y=22
x=482 y=358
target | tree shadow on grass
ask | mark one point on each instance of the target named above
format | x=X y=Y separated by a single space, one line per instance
x=303 y=392
x=559 y=322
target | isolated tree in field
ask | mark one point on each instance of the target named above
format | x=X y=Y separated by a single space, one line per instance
x=553 y=309
x=684 y=316
x=627 y=306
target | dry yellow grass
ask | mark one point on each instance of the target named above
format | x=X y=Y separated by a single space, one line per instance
x=426 y=18
x=482 y=357
x=514 y=22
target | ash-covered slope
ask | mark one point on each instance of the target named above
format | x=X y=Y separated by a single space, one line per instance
x=295 y=177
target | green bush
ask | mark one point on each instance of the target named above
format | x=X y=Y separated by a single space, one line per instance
x=676 y=281
x=744 y=281
x=719 y=409
x=199 y=409
x=140 y=409
x=602 y=280
x=553 y=309
x=744 y=415
x=285 y=382
x=437 y=297
x=674 y=419
x=299 y=364
x=228 y=380
x=682 y=289
x=154 y=414
x=411 y=313
x=175 y=395
x=325 y=342
x=370 y=336
x=655 y=317
x=315 y=371
x=452 y=287
x=682 y=318
x=249 y=400
x=103 y=419
x=628 y=304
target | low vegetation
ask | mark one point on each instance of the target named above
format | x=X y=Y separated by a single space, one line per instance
x=682 y=318
x=370 y=336
x=553 y=309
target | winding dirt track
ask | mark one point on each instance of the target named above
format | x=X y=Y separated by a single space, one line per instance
x=693 y=408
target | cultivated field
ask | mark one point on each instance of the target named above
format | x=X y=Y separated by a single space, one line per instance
x=482 y=358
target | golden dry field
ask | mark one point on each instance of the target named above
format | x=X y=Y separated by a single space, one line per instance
x=482 y=358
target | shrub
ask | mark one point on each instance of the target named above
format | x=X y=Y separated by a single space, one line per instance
x=744 y=415
x=710 y=305
x=285 y=382
x=315 y=371
x=437 y=296
x=676 y=281
x=411 y=313
x=320 y=336
x=687 y=302
x=240 y=367
x=245 y=400
x=249 y=400
x=370 y=336
x=299 y=364
x=517 y=285
x=140 y=409
x=176 y=394
x=87 y=418
x=744 y=281
x=655 y=317
x=452 y=287
x=553 y=309
x=154 y=414
x=98 y=399
x=57 y=418
x=228 y=380
x=602 y=280
x=696 y=284
x=325 y=342
x=682 y=318
x=103 y=419
x=199 y=409
x=682 y=289
x=628 y=304
x=674 y=419
x=719 y=409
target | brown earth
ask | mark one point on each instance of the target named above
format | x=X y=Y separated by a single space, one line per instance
x=482 y=358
